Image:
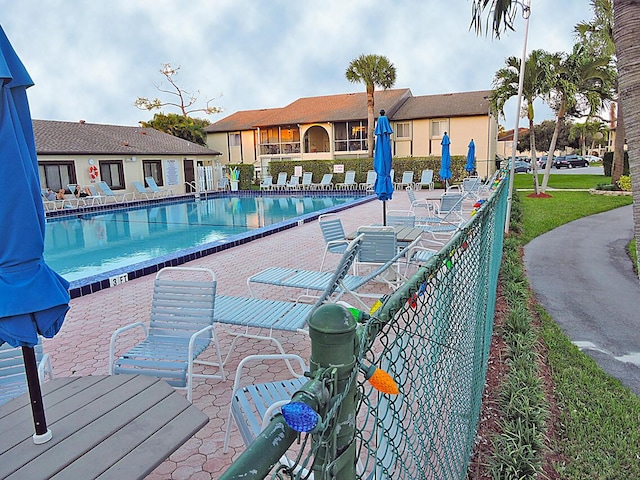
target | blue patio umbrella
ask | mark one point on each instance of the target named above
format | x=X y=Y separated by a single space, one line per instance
x=383 y=187
x=445 y=165
x=471 y=155
x=33 y=298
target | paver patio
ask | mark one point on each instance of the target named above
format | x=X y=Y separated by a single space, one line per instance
x=82 y=346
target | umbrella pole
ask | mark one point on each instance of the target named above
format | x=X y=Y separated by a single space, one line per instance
x=43 y=434
x=384 y=213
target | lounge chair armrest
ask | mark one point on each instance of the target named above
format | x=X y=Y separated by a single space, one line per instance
x=258 y=358
x=114 y=335
x=195 y=336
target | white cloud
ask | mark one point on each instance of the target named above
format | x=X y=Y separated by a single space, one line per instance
x=91 y=60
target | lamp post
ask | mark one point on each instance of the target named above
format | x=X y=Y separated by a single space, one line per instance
x=526 y=11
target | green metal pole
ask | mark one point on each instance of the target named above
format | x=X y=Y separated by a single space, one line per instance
x=332 y=329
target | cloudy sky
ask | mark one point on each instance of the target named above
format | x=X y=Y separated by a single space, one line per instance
x=90 y=60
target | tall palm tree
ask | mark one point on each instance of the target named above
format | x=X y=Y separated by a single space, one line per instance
x=535 y=85
x=374 y=71
x=597 y=36
x=580 y=85
x=625 y=36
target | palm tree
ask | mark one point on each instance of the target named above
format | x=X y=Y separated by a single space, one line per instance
x=625 y=36
x=535 y=85
x=597 y=36
x=374 y=71
x=580 y=85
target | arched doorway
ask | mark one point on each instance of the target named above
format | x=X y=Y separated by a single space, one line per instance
x=316 y=139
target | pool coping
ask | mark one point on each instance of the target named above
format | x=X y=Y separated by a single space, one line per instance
x=96 y=283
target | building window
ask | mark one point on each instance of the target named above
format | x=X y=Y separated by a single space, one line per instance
x=438 y=127
x=403 y=130
x=350 y=136
x=234 y=139
x=57 y=175
x=153 y=168
x=112 y=172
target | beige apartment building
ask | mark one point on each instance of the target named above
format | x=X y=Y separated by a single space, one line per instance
x=334 y=127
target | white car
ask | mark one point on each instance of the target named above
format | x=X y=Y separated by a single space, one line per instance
x=592 y=158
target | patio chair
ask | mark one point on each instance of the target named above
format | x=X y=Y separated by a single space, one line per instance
x=370 y=181
x=423 y=208
x=333 y=235
x=311 y=280
x=108 y=193
x=326 y=183
x=448 y=217
x=281 y=183
x=141 y=191
x=407 y=181
x=253 y=405
x=180 y=330
x=159 y=192
x=262 y=313
x=267 y=183
x=294 y=183
x=349 y=181
x=307 y=181
x=94 y=196
x=13 y=379
x=426 y=180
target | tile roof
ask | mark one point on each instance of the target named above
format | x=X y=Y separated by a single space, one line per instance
x=330 y=108
x=54 y=137
x=445 y=105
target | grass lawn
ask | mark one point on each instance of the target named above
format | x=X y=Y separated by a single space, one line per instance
x=599 y=424
x=558 y=180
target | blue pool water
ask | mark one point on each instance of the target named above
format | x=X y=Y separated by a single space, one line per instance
x=89 y=245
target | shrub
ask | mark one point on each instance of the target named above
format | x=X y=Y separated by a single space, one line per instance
x=625 y=183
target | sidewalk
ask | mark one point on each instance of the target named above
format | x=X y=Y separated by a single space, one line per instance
x=82 y=346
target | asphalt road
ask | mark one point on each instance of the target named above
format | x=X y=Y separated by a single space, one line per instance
x=583 y=277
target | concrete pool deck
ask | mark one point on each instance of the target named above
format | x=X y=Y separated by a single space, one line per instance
x=82 y=346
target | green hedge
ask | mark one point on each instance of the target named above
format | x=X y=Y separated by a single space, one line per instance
x=607 y=162
x=362 y=165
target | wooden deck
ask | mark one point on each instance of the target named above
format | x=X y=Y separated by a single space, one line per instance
x=108 y=427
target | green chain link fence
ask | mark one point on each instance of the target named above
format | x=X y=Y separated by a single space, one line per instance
x=432 y=336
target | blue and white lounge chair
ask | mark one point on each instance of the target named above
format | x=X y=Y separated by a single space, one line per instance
x=181 y=328
x=307 y=181
x=351 y=284
x=349 y=181
x=267 y=183
x=325 y=183
x=13 y=379
x=262 y=313
x=369 y=183
x=407 y=181
x=426 y=180
x=281 y=183
x=294 y=183
x=157 y=191
x=108 y=193
x=141 y=191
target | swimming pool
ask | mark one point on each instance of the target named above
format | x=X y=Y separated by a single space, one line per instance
x=90 y=249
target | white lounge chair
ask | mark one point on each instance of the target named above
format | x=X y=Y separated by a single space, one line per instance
x=159 y=192
x=407 y=181
x=349 y=181
x=117 y=198
x=426 y=180
x=369 y=183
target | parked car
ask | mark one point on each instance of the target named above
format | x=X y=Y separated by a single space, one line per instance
x=570 y=161
x=520 y=166
x=592 y=158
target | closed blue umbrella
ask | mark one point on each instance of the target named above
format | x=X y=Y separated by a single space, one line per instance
x=33 y=298
x=383 y=187
x=445 y=166
x=471 y=155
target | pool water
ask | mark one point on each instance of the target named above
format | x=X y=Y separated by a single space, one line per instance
x=91 y=244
